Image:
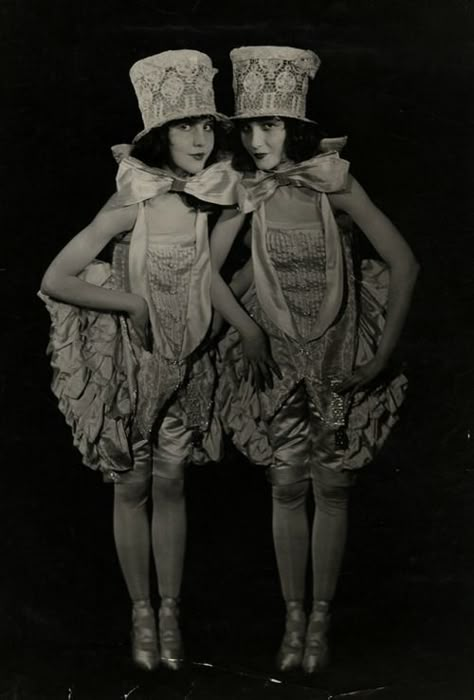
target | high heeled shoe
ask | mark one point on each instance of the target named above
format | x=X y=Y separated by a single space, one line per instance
x=145 y=652
x=316 y=652
x=171 y=643
x=290 y=654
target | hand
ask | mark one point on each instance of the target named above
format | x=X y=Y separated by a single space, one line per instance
x=140 y=319
x=361 y=377
x=258 y=358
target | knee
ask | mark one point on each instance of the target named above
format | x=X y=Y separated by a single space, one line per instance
x=290 y=496
x=170 y=490
x=331 y=499
x=132 y=495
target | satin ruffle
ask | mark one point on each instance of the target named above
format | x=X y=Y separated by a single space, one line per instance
x=92 y=358
x=372 y=414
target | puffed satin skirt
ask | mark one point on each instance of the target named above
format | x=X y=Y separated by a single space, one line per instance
x=371 y=414
x=95 y=367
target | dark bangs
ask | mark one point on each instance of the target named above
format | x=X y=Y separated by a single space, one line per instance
x=302 y=142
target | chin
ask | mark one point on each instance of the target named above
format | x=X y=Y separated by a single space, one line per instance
x=267 y=164
x=197 y=168
x=192 y=167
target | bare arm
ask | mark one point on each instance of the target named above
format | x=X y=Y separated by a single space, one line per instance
x=242 y=279
x=60 y=280
x=222 y=238
x=254 y=341
x=403 y=267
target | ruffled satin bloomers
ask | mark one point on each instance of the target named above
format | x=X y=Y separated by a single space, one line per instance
x=102 y=380
x=369 y=415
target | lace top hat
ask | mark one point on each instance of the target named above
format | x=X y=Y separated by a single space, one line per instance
x=173 y=85
x=272 y=81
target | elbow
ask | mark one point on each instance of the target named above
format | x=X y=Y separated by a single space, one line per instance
x=45 y=286
x=405 y=270
x=49 y=283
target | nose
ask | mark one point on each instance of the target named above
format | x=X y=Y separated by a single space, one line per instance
x=255 y=137
x=199 y=135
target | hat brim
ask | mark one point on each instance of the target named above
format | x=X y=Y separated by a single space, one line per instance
x=217 y=115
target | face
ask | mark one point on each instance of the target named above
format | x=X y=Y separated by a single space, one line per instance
x=190 y=145
x=264 y=140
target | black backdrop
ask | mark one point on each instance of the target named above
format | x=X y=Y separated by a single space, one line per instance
x=397 y=78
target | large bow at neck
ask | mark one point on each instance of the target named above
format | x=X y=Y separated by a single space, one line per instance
x=323 y=173
x=137 y=182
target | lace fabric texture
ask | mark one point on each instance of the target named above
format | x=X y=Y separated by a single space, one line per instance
x=169 y=270
x=303 y=278
x=272 y=80
x=173 y=85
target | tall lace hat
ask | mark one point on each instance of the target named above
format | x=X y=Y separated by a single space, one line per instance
x=174 y=85
x=272 y=81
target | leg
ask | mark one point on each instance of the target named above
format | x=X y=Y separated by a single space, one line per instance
x=291 y=537
x=329 y=536
x=291 y=540
x=169 y=529
x=131 y=525
x=331 y=494
x=132 y=540
x=289 y=437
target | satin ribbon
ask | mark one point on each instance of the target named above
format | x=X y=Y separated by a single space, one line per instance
x=137 y=183
x=324 y=174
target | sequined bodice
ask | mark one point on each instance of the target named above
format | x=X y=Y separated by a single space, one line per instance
x=170 y=256
x=298 y=253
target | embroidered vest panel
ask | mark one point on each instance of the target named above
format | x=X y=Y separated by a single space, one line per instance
x=169 y=274
x=299 y=258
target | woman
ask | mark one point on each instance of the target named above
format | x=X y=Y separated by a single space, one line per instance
x=131 y=374
x=312 y=331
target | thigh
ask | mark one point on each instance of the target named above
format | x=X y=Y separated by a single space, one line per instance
x=327 y=463
x=289 y=437
x=142 y=466
x=172 y=450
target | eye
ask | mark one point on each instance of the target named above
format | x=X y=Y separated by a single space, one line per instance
x=208 y=126
x=245 y=129
x=183 y=126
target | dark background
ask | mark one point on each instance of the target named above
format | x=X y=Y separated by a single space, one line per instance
x=397 y=78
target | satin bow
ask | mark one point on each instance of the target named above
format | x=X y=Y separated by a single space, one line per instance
x=323 y=173
x=137 y=182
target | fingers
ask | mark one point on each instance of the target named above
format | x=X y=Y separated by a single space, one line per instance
x=356 y=381
x=262 y=375
x=266 y=376
x=144 y=336
x=275 y=368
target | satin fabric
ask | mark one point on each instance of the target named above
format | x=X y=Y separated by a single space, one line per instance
x=324 y=174
x=137 y=183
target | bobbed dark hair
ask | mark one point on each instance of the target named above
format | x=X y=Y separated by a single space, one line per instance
x=153 y=148
x=302 y=142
